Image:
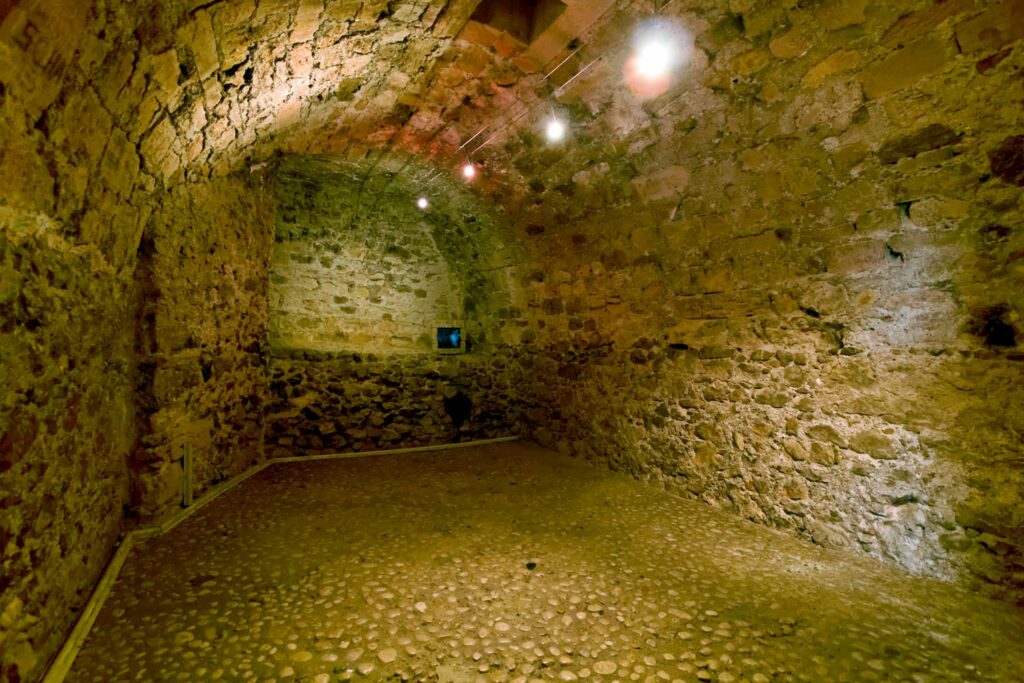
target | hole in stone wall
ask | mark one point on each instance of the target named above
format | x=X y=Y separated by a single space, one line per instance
x=991 y=325
x=729 y=28
x=811 y=312
x=995 y=233
x=232 y=70
x=42 y=124
x=893 y=254
x=459 y=408
x=524 y=20
x=186 y=67
x=1007 y=161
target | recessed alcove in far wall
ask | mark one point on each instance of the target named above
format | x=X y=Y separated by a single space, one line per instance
x=361 y=279
x=359 y=267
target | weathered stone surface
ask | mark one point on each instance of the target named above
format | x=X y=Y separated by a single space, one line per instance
x=66 y=428
x=876 y=445
x=1000 y=24
x=904 y=68
x=794 y=43
x=202 y=276
x=664 y=268
x=329 y=403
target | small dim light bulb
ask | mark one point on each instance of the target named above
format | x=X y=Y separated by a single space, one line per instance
x=555 y=131
x=423 y=203
x=469 y=170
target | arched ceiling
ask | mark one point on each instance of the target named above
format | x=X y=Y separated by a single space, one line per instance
x=210 y=86
x=784 y=133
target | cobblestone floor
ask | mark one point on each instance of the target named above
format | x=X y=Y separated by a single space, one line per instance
x=512 y=563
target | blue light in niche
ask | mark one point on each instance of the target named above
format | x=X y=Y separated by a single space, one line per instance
x=449 y=338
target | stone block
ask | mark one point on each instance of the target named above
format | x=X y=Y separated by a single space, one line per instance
x=1000 y=25
x=164 y=71
x=878 y=446
x=836 y=14
x=905 y=67
x=794 y=43
x=914 y=25
x=157 y=150
x=826 y=434
x=203 y=45
x=856 y=257
x=307 y=20
x=750 y=62
x=838 y=62
x=795 y=449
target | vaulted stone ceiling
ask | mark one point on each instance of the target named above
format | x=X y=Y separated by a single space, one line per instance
x=788 y=284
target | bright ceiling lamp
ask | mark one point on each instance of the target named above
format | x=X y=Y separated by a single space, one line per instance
x=660 y=48
x=654 y=58
x=555 y=130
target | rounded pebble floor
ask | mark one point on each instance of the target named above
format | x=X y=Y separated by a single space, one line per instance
x=510 y=563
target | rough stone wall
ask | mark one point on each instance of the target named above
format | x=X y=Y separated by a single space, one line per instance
x=67 y=422
x=361 y=277
x=881 y=454
x=803 y=302
x=341 y=403
x=74 y=204
x=202 y=275
x=345 y=278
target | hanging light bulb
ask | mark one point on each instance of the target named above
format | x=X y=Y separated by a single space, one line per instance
x=469 y=170
x=654 y=58
x=423 y=203
x=555 y=130
x=660 y=47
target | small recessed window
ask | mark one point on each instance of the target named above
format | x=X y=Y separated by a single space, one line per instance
x=451 y=339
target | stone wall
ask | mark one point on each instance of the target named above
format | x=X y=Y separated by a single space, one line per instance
x=342 y=403
x=202 y=276
x=354 y=271
x=799 y=295
x=879 y=453
x=67 y=424
x=361 y=277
